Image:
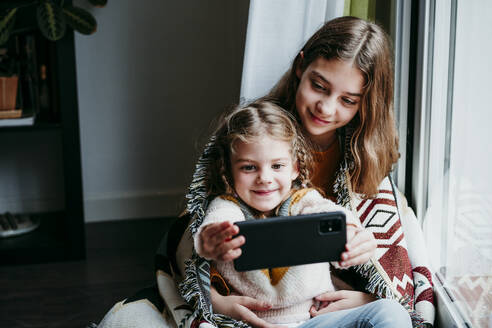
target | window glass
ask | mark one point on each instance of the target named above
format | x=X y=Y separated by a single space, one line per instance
x=458 y=217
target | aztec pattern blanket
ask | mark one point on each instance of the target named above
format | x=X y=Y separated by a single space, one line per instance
x=399 y=269
x=389 y=275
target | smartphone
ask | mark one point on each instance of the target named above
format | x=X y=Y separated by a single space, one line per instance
x=291 y=240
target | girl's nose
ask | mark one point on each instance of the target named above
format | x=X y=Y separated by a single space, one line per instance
x=264 y=176
x=326 y=106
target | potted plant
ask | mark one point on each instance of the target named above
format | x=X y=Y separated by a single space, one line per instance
x=8 y=85
x=51 y=17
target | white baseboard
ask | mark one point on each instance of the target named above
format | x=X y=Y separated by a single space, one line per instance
x=105 y=206
x=132 y=205
x=33 y=204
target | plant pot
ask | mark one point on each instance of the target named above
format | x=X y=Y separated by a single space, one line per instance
x=8 y=92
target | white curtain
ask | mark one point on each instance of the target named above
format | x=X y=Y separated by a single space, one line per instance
x=277 y=29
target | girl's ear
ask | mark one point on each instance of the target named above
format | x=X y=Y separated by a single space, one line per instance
x=295 y=171
x=299 y=65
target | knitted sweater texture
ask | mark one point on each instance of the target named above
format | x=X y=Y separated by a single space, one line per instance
x=290 y=290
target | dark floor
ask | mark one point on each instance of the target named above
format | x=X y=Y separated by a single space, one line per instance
x=120 y=261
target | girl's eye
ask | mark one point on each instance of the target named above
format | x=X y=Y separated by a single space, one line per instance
x=277 y=166
x=248 y=167
x=317 y=86
x=349 y=101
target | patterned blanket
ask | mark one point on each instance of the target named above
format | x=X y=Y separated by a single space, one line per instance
x=398 y=271
x=389 y=275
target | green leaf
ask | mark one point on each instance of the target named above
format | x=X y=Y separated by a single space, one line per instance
x=6 y=24
x=80 y=19
x=98 y=3
x=51 y=20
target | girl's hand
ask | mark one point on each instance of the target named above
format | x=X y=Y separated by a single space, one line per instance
x=239 y=308
x=360 y=246
x=340 y=300
x=217 y=242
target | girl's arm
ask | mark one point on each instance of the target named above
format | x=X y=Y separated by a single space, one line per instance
x=216 y=243
x=340 y=300
x=213 y=240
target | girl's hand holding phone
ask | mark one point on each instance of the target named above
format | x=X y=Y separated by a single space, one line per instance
x=217 y=243
x=361 y=246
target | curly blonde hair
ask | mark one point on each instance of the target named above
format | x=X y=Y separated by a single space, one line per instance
x=249 y=122
x=374 y=142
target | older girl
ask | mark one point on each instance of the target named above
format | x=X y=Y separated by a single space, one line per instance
x=340 y=88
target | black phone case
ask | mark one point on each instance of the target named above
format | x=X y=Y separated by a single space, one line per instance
x=291 y=240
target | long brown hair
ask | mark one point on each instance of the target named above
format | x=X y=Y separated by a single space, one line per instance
x=246 y=123
x=374 y=142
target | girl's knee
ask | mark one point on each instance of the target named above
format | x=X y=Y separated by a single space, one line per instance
x=392 y=313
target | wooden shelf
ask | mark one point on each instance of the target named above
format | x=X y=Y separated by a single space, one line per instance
x=61 y=235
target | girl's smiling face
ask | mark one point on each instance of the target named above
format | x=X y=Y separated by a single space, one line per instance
x=262 y=172
x=328 y=97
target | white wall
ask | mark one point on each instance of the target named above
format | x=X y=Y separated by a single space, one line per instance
x=150 y=80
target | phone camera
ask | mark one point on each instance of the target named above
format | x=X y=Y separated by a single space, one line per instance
x=328 y=226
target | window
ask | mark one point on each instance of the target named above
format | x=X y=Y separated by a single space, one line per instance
x=452 y=157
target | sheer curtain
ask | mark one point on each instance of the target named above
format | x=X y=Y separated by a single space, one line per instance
x=277 y=29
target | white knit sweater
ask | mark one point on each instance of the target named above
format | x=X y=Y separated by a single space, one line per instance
x=290 y=290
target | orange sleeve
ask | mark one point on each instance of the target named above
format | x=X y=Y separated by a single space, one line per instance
x=218 y=282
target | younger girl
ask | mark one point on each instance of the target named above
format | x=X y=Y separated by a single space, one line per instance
x=261 y=168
